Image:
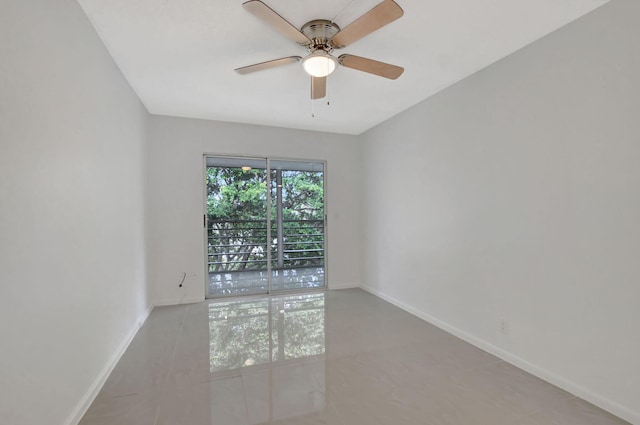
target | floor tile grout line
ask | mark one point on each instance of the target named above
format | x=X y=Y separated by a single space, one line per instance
x=244 y=394
x=171 y=363
x=335 y=409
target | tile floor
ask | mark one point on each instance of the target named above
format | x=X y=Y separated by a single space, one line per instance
x=335 y=358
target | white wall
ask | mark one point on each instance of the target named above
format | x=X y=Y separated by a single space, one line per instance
x=176 y=180
x=72 y=243
x=516 y=195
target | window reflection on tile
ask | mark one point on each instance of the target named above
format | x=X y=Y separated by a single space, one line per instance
x=276 y=332
x=254 y=332
x=285 y=392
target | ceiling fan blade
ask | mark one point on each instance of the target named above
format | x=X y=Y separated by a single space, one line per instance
x=318 y=87
x=372 y=67
x=381 y=15
x=267 y=65
x=277 y=22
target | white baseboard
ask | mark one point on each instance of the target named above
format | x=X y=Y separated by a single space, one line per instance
x=343 y=285
x=95 y=388
x=178 y=301
x=555 y=379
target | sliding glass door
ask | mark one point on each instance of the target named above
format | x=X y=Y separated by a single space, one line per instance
x=237 y=226
x=265 y=225
x=297 y=223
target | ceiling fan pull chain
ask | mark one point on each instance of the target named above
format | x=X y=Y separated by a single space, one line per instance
x=313 y=115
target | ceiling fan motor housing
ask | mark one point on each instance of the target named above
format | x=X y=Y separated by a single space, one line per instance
x=320 y=32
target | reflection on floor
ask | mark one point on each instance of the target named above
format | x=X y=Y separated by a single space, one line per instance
x=246 y=333
x=255 y=281
x=335 y=358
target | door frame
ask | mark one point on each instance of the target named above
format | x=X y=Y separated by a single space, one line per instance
x=268 y=160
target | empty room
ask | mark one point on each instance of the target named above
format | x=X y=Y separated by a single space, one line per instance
x=340 y=212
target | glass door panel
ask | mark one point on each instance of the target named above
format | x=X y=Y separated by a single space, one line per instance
x=297 y=225
x=237 y=231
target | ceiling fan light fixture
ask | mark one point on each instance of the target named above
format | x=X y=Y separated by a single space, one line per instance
x=319 y=64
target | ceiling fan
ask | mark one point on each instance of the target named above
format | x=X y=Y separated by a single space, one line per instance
x=321 y=37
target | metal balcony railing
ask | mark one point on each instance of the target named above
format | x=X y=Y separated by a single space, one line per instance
x=241 y=245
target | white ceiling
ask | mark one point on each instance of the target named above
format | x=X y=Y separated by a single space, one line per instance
x=179 y=55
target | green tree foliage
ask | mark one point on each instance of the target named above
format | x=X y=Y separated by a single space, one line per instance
x=234 y=194
x=302 y=195
x=236 y=208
